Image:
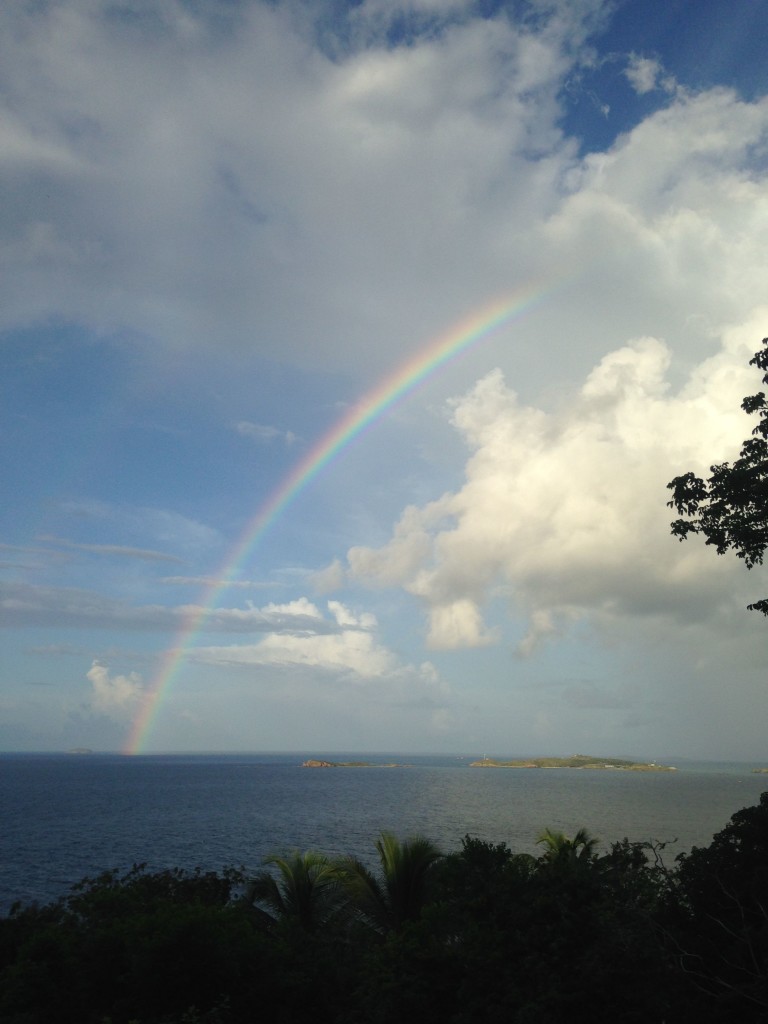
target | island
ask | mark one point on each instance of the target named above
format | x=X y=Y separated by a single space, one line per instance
x=312 y=763
x=575 y=761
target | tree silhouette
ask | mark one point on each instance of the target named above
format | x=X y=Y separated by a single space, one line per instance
x=561 y=851
x=308 y=890
x=386 y=903
x=731 y=508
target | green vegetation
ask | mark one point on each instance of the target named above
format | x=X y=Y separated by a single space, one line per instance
x=478 y=934
x=730 y=509
x=577 y=761
x=387 y=903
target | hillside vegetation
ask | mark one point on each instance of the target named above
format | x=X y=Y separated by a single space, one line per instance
x=575 y=761
x=440 y=937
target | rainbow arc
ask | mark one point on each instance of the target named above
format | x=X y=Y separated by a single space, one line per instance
x=373 y=405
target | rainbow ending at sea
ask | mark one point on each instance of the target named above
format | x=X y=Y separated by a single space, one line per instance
x=371 y=406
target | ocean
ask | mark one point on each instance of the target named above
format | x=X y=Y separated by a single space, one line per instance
x=67 y=816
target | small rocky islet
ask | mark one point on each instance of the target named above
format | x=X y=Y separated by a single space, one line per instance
x=315 y=763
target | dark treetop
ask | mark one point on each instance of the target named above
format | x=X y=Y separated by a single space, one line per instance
x=731 y=508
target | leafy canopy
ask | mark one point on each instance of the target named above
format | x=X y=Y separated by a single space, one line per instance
x=308 y=890
x=731 y=508
x=399 y=895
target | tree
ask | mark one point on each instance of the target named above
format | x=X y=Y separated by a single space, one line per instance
x=731 y=508
x=562 y=852
x=308 y=890
x=721 y=925
x=153 y=947
x=399 y=895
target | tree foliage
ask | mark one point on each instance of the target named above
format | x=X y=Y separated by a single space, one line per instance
x=482 y=933
x=307 y=892
x=398 y=895
x=722 y=907
x=730 y=508
x=562 y=851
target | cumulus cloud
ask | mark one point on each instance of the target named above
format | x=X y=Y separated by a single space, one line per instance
x=247 y=201
x=350 y=652
x=350 y=674
x=230 y=183
x=347 y=619
x=331 y=577
x=566 y=509
x=115 y=696
x=205 y=162
x=352 y=664
x=212 y=196
x=351 y=648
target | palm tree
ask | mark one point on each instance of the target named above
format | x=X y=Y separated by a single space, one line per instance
x=308 y=891
x=386 y=903
x=560 y=851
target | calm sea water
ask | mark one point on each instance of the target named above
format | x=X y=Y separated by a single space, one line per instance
x=67 y=816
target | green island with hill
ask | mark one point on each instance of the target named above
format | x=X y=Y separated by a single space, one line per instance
x=575 y=761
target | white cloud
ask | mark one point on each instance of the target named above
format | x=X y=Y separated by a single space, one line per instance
x=242 y=186
x=302 y=606
x=329 y=578
x=407 y=549
x=264 y=434
x=566 y=509
x=646 y=74
x=23 y=604
x=347 y=619
x=205 y=165
x=115 y=696
x=455 y=624
x=350 y=652
x=206 y=189
x=325 y=209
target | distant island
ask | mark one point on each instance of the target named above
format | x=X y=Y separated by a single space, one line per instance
x=760 y=771
x=576 y=761
x=348 y=764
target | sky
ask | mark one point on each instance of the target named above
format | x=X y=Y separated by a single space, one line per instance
x=346 y=352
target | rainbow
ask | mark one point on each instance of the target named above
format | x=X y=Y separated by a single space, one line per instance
x=366 y=410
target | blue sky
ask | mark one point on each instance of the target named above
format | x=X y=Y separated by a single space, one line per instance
x=223 y=224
